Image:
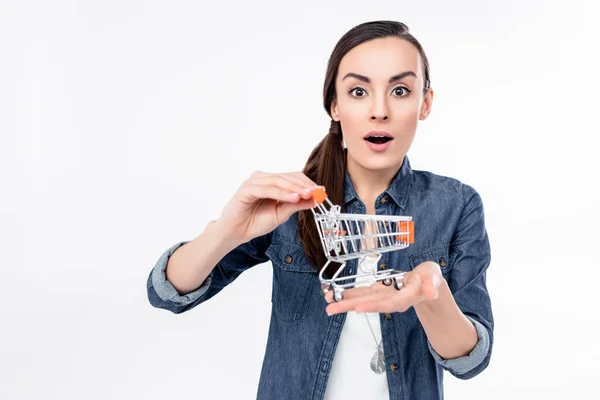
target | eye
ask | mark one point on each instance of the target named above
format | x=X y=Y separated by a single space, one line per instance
x=358 y=91
x=401 y=91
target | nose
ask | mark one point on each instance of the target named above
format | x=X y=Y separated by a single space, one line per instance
x=379 y=109
x=382 y=118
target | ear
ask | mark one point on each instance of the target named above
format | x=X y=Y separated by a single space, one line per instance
x=426 y=105
x=335 y=115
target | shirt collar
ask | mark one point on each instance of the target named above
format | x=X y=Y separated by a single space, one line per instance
x=398 y=189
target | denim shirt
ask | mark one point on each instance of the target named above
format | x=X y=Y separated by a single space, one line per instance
x=449 y=230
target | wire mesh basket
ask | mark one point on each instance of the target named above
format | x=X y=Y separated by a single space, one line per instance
x=356 y=236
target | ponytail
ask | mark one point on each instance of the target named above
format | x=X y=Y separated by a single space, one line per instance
x=326 y=166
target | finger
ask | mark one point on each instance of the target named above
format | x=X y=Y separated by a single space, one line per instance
x=251 y=192
x=357 y=292
x=296 y=182
x=412 y=285
x=288 y=182
x=278 y=181
x=298 y=176
x=306 y=182
x=430 y=288
x=301 y=177
x=285 y=210
x=394 y=302
x=346 y=305
x=362 y=291
x=350 y=293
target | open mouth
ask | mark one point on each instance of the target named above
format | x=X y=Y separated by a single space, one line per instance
x=378 y=139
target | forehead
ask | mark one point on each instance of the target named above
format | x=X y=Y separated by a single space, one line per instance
x=381 y=58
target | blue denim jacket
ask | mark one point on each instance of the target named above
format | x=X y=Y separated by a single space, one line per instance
x=449 y=230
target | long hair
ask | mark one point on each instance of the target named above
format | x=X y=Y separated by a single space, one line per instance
x=326 y=164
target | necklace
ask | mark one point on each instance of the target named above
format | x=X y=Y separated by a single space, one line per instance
x=367 y=265
x=377 y=361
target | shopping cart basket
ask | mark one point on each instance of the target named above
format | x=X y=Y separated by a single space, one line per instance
x=356 y=236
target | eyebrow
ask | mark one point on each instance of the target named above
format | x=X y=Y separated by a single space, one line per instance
x=392 y=79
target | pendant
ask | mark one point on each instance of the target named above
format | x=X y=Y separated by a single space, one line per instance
x=378 y=360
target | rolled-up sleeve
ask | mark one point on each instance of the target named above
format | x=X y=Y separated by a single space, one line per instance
x=461 y=366
x=467 y=281
x=162 y=294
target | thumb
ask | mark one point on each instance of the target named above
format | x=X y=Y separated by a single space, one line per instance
x=286 y=209
x=430 y=287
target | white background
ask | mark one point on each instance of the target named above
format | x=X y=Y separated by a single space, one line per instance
x=127 y=125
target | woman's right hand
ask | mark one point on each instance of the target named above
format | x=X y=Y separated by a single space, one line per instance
x=263 y=202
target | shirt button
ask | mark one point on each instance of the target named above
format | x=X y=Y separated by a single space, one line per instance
x=288 y=259
x=382 y=266
x=384 y=200
x=388 y=316
x=394 y=367
x=442 y=262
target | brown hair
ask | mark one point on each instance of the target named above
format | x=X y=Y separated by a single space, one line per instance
x=326 y=164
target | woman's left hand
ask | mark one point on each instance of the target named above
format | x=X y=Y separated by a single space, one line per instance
x=419 y=285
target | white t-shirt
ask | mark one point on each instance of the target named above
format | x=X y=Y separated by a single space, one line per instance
x=351 y=376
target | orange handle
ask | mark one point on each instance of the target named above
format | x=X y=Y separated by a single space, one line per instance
x=319 y=196
x=407 y=228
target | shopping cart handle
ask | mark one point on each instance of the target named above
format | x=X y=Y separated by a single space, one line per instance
x=319 y=195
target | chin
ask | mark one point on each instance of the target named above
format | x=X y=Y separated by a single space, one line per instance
x=379 y=162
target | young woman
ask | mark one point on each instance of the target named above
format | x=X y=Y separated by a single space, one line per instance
x=377 y=342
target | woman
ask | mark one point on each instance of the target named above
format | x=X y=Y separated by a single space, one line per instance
x=377 y=342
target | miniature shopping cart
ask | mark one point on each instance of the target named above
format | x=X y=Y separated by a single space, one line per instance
x=356 y=236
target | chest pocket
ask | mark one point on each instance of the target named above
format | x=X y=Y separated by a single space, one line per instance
x=295 y=280
x=439 y=254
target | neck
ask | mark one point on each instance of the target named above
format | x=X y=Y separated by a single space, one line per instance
x=368 y=183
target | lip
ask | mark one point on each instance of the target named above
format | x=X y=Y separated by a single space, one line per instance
x=378 y=148
x=378 y=133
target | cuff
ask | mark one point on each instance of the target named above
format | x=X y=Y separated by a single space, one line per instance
x=165 y=289
x=464 y=364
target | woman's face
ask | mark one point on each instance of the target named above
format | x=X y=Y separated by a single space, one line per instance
x=379 y=101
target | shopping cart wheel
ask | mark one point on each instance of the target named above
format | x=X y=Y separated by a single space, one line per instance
x=394 y=281
x=398 y=285
x=337 y=294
